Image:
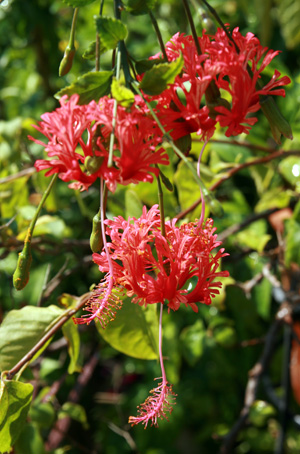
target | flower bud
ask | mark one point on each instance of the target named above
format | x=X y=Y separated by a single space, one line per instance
x=21 y=274
x=96 y=240
x=67 y=61
x=93 y=163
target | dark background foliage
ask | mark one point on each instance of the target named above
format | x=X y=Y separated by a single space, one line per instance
x=209 y=354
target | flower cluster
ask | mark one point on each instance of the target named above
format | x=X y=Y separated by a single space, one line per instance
x=78 y=140
x=226 y=66
x=178 y=268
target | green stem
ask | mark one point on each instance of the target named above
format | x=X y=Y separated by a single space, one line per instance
x=73 y=28
x=114 y=119
x=97 y=66
x=158 y=34
x=41 y=204
x=161 y=205
x=210 y=199
x=192 y=25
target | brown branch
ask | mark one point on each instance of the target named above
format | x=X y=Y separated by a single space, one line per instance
x=23 y=173
x=237 y=227
x=236 y=143
x=60 y=429
x=255 y=375
x=234 y=170
x=62 y=320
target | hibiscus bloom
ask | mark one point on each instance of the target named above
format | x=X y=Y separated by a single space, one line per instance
x=78 y=143
x=234 y=66
x=178 y=268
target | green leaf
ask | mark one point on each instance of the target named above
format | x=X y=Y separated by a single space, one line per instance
x=134 y=331
x=142 y=66
x=289 y=19
x=21 y=330
x=133 y=204
x=292 y=227
x=70 y=332
x=74 y=411
x=110 y=30
x=90 y=52
x=90 y=86
x=255 y=236
x=160 y=76
x=15 y=402
x=274 y=198
x=78 y=3
x=138 y=7
x=192 y=341
x=122 y=95
x=30 y=441
x=47 y=225
x=42 y=413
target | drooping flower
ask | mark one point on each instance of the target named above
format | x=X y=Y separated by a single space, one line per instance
x=156 y=406
x=178 y=268
x=234 y=66
x=78 y=143
x=137 y=137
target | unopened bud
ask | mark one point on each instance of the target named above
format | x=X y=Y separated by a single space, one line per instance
x=93 y=163
x=96 y=239
x=67 y=61
x=21 y=275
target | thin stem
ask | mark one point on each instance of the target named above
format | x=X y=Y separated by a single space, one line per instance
x=59 y=323
x=212 y=202
x=114 y=119
x=202 y=197
x=41 y=204
x=110 y=265
x=192 y=25
x=158 y=34
x=97 y=66
x=73 y=28
x=220 y=22
x=163 y=372
x=161 y=206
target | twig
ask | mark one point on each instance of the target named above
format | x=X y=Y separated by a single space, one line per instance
x=237 y=169
x=251 y=389
x=23 y=173
x=237 y=227
x=287 y=342
x=62 y=274
x=68 y=314
x=59 y=431
x=237 y=143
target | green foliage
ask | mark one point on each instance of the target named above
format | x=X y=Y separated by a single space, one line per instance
x=121 y=94
x=159 y=76
x=137 y=7
x=21 y=330
x=110 y=30
x=205 y=353
x=15 y=398
x=292 y=254
x=90 y=86
x=70 y=332
x=134 y=331
x=75 y=412
x=78 y=3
